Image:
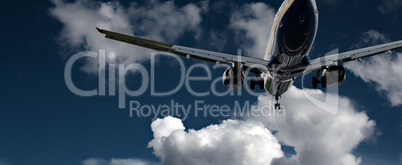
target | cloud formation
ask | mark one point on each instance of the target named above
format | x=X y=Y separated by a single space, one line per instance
x=317 y=136
x=255 y=21
x=382 y=70
x=231 y=142
x=164 y=127
x=162 y=21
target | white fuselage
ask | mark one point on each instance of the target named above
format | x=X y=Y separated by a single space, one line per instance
x=292 y=36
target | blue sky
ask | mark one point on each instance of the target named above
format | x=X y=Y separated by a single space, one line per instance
x=43 y=122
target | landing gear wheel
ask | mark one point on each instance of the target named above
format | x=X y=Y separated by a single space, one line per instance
x=315 y=82
x=324 y=82
x=277 y=106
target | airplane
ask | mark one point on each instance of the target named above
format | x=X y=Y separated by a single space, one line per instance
x=286 y=57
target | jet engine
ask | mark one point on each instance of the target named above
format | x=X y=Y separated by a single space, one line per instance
x=334 y=75
x=233 y=77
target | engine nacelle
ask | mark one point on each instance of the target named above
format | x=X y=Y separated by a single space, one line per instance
x=233 y=77
x=335 y=75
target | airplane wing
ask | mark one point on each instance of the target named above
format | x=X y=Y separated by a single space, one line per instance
x=333 y=59
x=248 y=63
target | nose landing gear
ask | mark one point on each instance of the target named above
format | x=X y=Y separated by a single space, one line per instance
x=277 y=105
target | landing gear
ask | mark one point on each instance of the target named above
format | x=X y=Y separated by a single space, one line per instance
x=317 y=80
x=256 y=81
x=277 y=105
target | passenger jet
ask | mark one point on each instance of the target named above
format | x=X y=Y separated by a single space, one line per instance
x=291 y=38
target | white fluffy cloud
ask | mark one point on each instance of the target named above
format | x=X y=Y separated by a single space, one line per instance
x=231 y=142
x=383 y=70
x=317 y=136
x=162 y=21
x=94 y=161
x=255 y=20
x=164 y=127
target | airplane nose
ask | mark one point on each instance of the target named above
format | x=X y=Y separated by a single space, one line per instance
x=298 y=28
